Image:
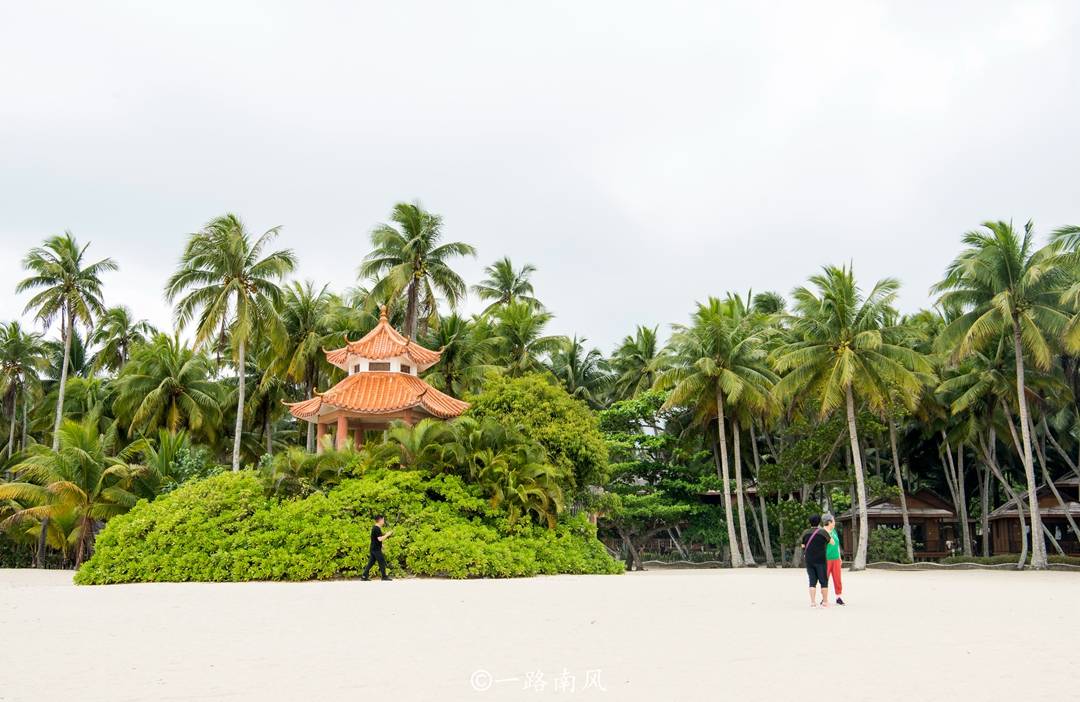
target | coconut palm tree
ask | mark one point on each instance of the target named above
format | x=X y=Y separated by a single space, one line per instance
x=227 y=280
x=116 y=333
x=1066 y=241
x=718 y=361
x=520 y=341
x=83 y=478
x=467 y=346
x=266 y=405
x=844 y=351
x=769 y=303
x=22 y=359
x=504 y=285
x=749 y=407
x=78 y=364
x=636 y=363
x=67 y=287
x=159 y=456
x=583 y=373
x=409 y=258
x=1002 y=285
x=168 y=385
x=307 y=315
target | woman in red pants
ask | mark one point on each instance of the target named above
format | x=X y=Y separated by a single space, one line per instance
x=832 y=556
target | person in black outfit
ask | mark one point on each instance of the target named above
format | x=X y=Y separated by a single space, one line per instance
x=377 y=537
x=814 y=542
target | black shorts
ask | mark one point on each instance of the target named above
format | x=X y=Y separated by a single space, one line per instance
x=819 y=574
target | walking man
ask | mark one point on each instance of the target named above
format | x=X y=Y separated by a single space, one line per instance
x=377 y=538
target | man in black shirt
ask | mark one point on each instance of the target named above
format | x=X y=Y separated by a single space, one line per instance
x=814 y=542
x=377 y=537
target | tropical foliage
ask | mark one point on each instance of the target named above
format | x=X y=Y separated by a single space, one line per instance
x=227 y=529
x=712 y=438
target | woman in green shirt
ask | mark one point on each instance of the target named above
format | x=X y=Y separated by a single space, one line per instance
x=832 y=557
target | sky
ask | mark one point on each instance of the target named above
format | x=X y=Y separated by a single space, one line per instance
x=641 y=155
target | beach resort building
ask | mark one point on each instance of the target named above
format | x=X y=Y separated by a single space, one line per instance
x=934 y=525
x=383 y=384
x=1005 y=524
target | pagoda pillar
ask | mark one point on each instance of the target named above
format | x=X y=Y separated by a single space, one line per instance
x=320 y=432
x=342 y=433
x=358 y=437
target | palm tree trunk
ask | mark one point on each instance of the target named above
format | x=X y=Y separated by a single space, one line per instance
x=25 y=423
x=309 y=392
x=241 y=377
x=1019 y=515
x=908 y=546
x=1038 y=546
x=780 y=533
x=1073 y=466
x=67 y=332
x=84 y=534
x=860 y=484
x=1040 y=451
x=410 y=309
x=733 y=541
x=11 y=430
x=965 y=526
x=268 y=430
x=769 y=560
x=42 y=542
x=984 y=510
x=748 y=555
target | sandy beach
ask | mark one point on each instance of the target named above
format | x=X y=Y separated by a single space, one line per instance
x=661 y=635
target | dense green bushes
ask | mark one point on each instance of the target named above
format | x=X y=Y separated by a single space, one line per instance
x=14 y=555
x=1008 y=558
x=1064 y=560
x=546 y=413
x=886 y=544
x=225 y=529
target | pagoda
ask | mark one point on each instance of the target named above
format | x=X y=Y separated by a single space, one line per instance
x=383 y=384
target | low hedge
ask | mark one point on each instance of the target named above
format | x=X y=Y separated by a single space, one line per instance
x=982 y=560
x=1064 y=560
x=224 y=528
x=1009 y=558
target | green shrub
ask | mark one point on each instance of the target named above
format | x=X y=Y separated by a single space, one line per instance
x=1064 y=560
x=1010 y=558
x=886 y=544
x=13 y=554
x=224 y=528
x=567 y=429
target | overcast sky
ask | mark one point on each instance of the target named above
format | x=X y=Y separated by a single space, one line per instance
x=641 y=155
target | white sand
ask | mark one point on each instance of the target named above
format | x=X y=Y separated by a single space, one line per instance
x=660 y=635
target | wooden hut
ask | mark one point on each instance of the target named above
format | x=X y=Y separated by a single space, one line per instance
x=1005 y=525
x=934 y=528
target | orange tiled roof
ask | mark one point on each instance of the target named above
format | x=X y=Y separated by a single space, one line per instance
x=384 y=342
x=376 y=392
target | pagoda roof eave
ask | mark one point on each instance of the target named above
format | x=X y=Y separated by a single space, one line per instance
x=378 y=394
x=384 y=342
